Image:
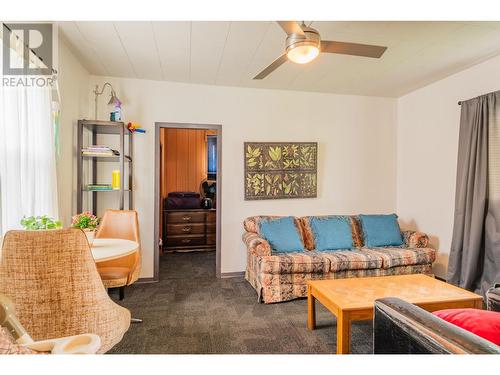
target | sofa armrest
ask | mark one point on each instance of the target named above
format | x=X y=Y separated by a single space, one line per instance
x=415 y=239
x=400 y=327
x=256 y=244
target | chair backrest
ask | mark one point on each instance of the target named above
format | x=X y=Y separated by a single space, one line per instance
x=51 y=277
x=123 y=224
x=119 y=224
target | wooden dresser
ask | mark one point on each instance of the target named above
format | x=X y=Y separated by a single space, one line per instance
x=189 y=230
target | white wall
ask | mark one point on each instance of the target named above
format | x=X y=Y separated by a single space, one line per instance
x=356 y=136
x=74 y=91
x=427 y=144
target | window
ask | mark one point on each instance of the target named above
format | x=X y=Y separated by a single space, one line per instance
x=27 y=152
x=212 y=157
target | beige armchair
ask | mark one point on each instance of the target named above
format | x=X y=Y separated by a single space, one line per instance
x=52 y=280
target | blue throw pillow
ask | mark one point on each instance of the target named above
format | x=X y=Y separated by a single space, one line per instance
x=332 y=233
x=282 y=234
x=381 y=230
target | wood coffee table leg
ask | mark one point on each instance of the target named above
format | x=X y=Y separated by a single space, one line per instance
x=311 y=310
x=343 y=333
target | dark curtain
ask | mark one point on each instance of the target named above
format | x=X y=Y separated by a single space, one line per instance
x=474 y=262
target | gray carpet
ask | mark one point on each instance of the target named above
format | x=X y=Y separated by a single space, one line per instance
x=191 y=311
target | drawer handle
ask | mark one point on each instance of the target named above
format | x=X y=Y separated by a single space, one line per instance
x=186 y=218
x=185 y=240
x=186 y=229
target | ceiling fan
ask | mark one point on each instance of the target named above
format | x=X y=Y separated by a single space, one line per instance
x=303 y=44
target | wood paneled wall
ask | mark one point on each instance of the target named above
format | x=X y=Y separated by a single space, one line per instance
x=183 y=159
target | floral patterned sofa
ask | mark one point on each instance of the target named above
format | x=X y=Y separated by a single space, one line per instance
x=281 y=277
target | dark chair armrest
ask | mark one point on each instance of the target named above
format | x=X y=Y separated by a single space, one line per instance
x=493 y=298
x=400 y=327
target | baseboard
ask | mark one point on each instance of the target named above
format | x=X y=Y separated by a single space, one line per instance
x=146 y=280
x=227 y=275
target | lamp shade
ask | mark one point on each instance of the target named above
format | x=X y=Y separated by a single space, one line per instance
x=113 y=99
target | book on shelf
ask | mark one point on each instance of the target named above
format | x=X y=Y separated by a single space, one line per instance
x=99 y=151
x=99 y=187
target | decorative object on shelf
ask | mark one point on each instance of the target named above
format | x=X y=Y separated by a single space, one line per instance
x=40 y=223
x=135 y=127
x=115 y=180
x=96 y=150
x=280 y=170
x=116 y=115
x=99 y=187
x=87 y=222
x=112 y=100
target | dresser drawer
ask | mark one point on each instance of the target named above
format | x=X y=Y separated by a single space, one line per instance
x=185 y=217
x=211 y=228
x=188 y=228
x=211 y=239
x=186 y=240
x=211 y=217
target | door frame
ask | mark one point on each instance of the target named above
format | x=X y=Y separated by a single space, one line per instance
x=181 y=125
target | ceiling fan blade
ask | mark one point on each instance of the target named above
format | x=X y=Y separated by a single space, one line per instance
x=291 y=27
x=272 y=67
x=356 y=49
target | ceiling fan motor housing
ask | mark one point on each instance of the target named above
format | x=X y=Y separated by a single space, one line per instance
x=311 y=38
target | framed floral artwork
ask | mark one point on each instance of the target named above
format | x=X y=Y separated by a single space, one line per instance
x=280 y=170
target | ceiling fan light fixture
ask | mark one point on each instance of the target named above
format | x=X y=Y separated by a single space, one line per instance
x=302 y=49
x=302 y=53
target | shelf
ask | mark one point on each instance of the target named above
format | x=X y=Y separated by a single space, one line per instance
x=118 y=129
x=105 y=127
x=112 y=158
x=106 y=191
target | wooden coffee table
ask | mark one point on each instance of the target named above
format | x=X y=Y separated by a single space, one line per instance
x=353 y=299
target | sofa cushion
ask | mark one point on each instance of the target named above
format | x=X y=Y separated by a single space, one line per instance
x=381 y=230
x=282 y=234
x=308 y=235
x=252 y=224
x=343 y=260
x=332 y=232
x=397 y=256
x=485 y=324
x=300 y=262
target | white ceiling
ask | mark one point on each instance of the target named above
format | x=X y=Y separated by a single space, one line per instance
x=232 y=53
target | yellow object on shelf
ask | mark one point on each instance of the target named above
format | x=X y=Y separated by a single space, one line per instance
x=116 y=180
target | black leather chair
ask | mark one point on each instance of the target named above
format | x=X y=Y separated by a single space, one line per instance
x=403 y=328
x=493 y=298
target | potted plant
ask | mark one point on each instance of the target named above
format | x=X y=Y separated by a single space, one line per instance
x=87 y=222
x=40 y=223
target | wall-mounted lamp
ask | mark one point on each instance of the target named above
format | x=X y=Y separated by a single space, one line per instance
x=112 y=100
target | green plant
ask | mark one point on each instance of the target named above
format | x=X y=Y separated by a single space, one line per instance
x=40 y=223
x=85 y=220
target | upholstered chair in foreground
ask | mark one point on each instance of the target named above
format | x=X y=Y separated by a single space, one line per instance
x=52 y=279
x=118 y=273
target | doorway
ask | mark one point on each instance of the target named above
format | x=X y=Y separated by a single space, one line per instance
x=187 y=193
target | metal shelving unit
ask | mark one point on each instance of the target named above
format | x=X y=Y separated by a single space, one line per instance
x=96 y=127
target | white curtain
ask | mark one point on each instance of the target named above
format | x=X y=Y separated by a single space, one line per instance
x=28 y=182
